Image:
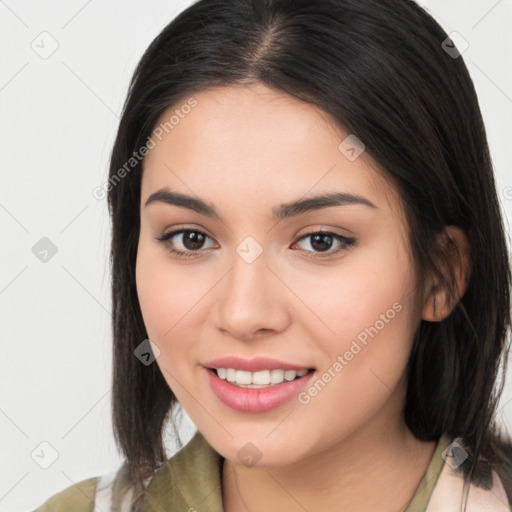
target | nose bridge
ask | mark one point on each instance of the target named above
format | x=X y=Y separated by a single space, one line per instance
x=249 y=299
x=248 y=279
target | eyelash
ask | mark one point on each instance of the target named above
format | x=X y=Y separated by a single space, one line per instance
x=346 y=243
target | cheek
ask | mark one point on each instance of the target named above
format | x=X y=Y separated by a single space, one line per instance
x=153 y=292
x=367 y=308
x=164 y=293
x=171 y=299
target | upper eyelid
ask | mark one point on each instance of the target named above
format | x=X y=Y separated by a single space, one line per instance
x=180 y=230
x=204 y=231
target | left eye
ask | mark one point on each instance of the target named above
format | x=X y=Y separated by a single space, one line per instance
x=192 y=242
x=322 y=241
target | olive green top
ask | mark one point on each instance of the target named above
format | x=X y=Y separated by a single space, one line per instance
x=192 y=480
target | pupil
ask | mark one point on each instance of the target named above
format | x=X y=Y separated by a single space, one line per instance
x=323 y=245
x=193 y=240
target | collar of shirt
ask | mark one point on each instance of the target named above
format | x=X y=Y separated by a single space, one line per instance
x=191 y=480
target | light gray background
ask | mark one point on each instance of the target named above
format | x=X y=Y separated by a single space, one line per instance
x=58 y=117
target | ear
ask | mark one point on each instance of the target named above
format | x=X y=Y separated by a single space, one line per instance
x=440 y=301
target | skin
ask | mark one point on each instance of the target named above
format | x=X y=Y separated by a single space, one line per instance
x=246 y=150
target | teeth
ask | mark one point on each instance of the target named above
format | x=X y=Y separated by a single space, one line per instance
x=276 y=376
x=261 y=379
x=290 y=374
x=242 y=377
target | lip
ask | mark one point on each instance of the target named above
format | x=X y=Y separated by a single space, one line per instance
x=253 y=365
x=256 y=400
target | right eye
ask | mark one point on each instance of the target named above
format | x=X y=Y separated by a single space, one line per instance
x=191 y=241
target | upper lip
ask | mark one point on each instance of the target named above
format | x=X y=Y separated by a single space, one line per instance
x=253 y=365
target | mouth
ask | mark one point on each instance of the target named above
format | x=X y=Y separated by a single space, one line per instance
x=259 y=379
x=257 y=385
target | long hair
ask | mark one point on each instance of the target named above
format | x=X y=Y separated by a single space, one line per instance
x=380 y=68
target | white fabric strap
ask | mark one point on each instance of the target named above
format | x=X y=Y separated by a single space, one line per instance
x=103 y=499
x=104 y=494
x=449 y=491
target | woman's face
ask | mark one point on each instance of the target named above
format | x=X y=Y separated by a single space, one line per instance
x=263 y=287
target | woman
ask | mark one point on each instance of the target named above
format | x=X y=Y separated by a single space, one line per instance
x=305 y=225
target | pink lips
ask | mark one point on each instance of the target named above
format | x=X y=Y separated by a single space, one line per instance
x=252 y=365
x=250 y=399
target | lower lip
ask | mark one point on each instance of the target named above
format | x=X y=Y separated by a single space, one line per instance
x=256 y=400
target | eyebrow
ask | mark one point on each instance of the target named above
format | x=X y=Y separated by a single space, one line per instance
x=279 y=213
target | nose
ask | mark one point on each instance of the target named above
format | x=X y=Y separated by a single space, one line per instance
x=251 y=301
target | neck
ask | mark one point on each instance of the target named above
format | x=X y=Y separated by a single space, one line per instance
x=379 y=467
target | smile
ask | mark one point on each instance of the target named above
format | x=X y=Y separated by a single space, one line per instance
x=260 y=379
x=245 y=397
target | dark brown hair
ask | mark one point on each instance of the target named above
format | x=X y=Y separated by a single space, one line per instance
x=378 y=67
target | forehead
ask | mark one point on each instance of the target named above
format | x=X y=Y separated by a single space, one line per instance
x=255 y=145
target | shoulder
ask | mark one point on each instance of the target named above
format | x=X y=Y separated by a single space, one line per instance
x=191 y=479
x=504 y=470
x=184 y=477
x=78 y=497
x=453 y=490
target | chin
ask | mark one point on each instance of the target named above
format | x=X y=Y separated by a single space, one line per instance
x=256 y=451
